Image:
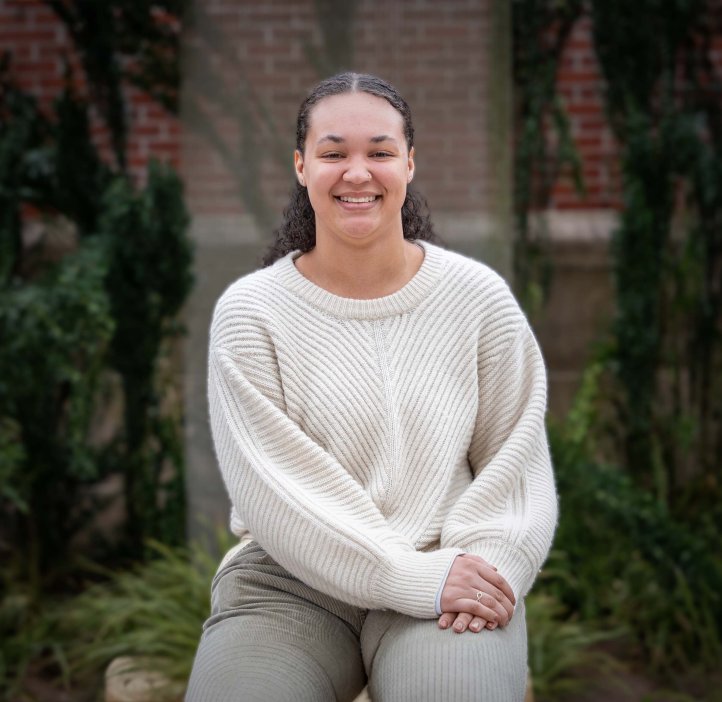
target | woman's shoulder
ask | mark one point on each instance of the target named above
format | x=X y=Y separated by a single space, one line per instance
x=484 y=301
x=251 y=289
x=245 y=304
x=476 y=283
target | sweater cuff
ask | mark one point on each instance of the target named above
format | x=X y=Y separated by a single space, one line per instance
x=510 y=562
x=410 y=582
x=437 y=602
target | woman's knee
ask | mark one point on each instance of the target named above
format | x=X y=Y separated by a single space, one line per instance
x=228 y=669
x=246 y=658
x=412 y=659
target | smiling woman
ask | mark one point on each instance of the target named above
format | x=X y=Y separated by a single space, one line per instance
x=377 y=405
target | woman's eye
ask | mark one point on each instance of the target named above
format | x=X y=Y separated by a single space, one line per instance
x=332 y=155
x=381 y=154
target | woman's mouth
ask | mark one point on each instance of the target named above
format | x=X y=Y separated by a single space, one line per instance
x=357 y=200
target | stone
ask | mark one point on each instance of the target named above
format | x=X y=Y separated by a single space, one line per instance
x=128 y=680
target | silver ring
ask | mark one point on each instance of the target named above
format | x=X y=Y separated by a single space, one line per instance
x=479 y=595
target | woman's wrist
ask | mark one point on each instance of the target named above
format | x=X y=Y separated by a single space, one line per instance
x=409 y=582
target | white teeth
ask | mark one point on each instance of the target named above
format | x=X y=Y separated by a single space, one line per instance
x=357 y=199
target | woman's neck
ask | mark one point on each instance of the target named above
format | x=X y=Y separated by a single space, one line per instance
x=361 y=273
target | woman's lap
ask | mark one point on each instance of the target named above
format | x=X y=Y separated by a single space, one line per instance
x=270 y=637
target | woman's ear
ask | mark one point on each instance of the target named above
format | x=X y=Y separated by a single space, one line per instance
x=298 y=165
x=411 y=166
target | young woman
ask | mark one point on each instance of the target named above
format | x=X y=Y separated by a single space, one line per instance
x=377 y=405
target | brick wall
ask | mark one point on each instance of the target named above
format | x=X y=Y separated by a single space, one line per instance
x=40 y=48
x=581 y=86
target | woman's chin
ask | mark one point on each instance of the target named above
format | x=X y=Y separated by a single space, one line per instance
x=359 y=233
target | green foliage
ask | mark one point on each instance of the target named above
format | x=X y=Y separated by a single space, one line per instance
x=663 y=103
x=637 y=459
x=149 y=278
x=12 y=458
x=541 y=29
x=150 y=258
x=79 y=307
x=74 y=177
x=24 y=638
x=55 y=334
x=621 y=556
x=154 y=613
x=562 y=649
x=21 y=130
x=50 y=163
x=125 y=41
x=636 y=45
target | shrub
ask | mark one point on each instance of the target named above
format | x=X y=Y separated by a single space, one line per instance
x=153 y=613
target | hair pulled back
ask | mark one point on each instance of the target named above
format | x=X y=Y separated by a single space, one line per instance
x=298 y=230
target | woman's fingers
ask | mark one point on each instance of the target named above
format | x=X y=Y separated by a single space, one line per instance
x=497 y=600
x=446 y=620
x=492 y=576
x=477 y=624
x=487 y=608
x=501 y=584
x=463 y=619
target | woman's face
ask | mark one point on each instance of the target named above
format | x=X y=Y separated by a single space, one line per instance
x=356 y=167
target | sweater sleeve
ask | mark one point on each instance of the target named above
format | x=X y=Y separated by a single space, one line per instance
x=299 y=502
x=508 y=513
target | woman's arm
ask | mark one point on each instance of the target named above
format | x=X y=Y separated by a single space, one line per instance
x=508 y=514
x=297 y=500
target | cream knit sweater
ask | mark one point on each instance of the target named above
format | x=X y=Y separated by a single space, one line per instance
x=366 y=443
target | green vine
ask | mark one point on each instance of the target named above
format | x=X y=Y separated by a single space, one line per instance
x=541 y=29
x=663 y=100
x=90 y=299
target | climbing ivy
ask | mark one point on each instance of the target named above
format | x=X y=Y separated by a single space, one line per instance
x=541 y=29
x=655 y=385
x=664 y=102
x=125 y=42
x=88 y=304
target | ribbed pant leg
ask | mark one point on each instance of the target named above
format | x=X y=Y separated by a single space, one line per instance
x=412 y=660
x=270 y=638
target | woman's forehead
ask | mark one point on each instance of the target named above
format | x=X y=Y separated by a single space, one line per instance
x=353 y=116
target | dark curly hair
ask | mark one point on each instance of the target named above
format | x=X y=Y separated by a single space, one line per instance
x=298 y=230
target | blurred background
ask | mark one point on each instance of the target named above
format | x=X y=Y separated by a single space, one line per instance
x=145 y=160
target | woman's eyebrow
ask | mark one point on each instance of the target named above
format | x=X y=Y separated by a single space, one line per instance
x=331 y=137
x=383 y=137
x=340 y=140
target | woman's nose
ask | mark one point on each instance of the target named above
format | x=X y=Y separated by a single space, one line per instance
x=357 y=172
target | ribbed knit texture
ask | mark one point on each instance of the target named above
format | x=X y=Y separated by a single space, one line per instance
x=271 y=638
x=366 y=443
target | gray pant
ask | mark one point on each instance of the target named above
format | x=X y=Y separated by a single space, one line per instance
x=271 y=638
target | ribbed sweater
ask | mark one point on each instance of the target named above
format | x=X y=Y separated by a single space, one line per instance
x=365 y=443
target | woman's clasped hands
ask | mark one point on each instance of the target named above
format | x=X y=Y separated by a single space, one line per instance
x=475 y=596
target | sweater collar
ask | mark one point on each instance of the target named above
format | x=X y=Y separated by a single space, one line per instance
x=403 y=300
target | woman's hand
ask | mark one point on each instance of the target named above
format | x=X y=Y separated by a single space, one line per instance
x=475 y=596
